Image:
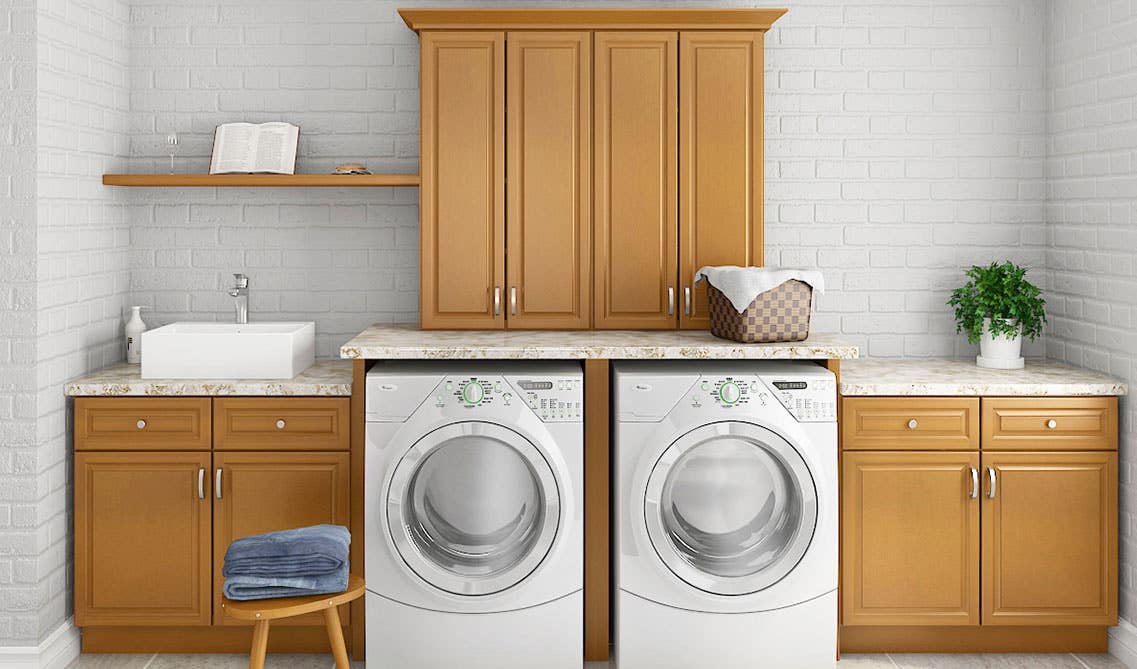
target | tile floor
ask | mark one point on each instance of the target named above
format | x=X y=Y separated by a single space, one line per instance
x=1049 y=661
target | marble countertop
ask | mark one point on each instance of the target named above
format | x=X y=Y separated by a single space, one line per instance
x=938 y=376
x=409 y=342
x=327 y=378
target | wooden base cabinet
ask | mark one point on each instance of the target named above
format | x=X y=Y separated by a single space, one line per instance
x=1019 y=534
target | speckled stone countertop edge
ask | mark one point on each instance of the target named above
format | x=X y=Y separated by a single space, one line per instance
x=962 y=378
x=326 y=378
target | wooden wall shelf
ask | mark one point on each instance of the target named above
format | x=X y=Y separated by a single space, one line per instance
x=590 y=19
x=260 y=180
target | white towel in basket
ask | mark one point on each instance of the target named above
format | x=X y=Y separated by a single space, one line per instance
x=742 y=284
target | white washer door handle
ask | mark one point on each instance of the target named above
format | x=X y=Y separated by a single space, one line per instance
x=280 y=424
x=912 y=424
x=1051 y=423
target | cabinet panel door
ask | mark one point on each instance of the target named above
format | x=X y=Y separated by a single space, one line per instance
x=264 y=492
x=910 y=543
x=636 y=251
x=1050 y=539
x=462 y=195
x=549 y=189
x=142 y=544
x=720 y=152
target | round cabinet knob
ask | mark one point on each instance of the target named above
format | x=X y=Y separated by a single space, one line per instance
x=1051 y=423
x=472 y=393
x=912 y=424
x=141 y=424
x=280 y=425
x=729 y=392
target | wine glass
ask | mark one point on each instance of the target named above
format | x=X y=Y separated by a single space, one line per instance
x=172 y=148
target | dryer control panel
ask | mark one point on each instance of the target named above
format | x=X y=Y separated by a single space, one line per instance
x=812 y=399
x=729 y=391
x=554 y=400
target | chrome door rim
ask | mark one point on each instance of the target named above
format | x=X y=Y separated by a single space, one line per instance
x=427 y=569
x=775 y=445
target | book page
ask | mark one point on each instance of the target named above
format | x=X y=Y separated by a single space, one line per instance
x=233 y=148
x=275 y=149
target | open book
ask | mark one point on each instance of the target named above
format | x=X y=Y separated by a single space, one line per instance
x=243 y=148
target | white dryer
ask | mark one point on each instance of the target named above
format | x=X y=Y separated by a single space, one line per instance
x=474 y=515
x=726 y=515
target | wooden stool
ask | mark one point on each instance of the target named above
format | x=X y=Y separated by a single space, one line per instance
x=265 y=610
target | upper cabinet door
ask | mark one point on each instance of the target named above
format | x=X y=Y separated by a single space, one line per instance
x=549 y=194
x=1050 y=538
x=636 y=110
x=720 y=152
x=463 y=180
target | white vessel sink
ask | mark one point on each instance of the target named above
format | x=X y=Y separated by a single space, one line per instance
x=228 y=350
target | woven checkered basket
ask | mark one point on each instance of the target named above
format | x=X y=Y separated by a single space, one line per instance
x=779 y=314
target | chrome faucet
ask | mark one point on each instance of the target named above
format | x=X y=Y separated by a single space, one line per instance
x=240 y=295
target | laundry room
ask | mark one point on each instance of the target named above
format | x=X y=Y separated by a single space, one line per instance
x=607 y=335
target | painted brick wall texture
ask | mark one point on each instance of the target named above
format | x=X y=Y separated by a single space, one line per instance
x=1092 y=206
x=901 y=143
x=19 y=547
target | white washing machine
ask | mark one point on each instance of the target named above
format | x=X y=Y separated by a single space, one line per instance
x=474 y=526
x=726 y=515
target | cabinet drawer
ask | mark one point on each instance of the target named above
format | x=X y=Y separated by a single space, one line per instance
x=1050 y=423
x=902 y=423
x=142 y=423
x=281 y=424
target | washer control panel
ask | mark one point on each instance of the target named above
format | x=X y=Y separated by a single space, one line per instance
x=471 y=392
x=809 y=400
x=728 y=391
x=554 y=400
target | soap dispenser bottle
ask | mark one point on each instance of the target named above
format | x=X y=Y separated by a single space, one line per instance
x=134 y=329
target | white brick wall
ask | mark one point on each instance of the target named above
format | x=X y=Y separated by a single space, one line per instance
x=18 y=478
x=82 y=260
x=902 y=142
x=1092 y=177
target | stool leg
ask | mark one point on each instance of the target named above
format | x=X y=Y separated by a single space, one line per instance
x=260 y=645
x=335 y=637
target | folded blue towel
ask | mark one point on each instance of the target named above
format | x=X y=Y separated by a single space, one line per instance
x=303 y=552
x=243 y=588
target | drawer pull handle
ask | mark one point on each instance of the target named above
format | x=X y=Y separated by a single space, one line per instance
x=141 y=424
x=912 y=424
x=991 y=477
x=217 y=483
x=1051 y=423
x=201 y=482
x=280 y=424
x=974 y=482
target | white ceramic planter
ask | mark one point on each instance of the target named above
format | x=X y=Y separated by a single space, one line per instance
x=1001 y=351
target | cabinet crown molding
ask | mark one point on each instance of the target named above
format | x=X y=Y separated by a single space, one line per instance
x=586 y=19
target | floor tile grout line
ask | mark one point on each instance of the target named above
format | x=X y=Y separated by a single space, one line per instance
x=889 y=656
x=1079 y=660
x=150 y=661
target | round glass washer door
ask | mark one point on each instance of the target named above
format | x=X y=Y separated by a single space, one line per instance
x=473 y=508
x=730 y=508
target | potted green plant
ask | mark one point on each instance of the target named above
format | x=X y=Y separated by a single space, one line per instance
x=996 y=308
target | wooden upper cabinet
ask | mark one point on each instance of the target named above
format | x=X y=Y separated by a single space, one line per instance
x=462 y=194
x=720 y=153
x=142 y=544
x=1050 y=538
x=910 y=544
x=635 y=170
x=549 y=189
x=265 y=492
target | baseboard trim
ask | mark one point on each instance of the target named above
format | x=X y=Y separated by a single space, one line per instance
x=56 y=651
x=972 y=639
x=1123 y=643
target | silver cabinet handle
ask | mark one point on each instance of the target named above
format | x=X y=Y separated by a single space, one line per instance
x=687 y=300
x=671 y=300
x=991 y=478
x=280 y=424
x=217 y=483
x=141 y=424
x=201 y=482
x=974 y=482
x=1051 y=423
x=513 y=300
x=497 y=300
x=912 y=424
